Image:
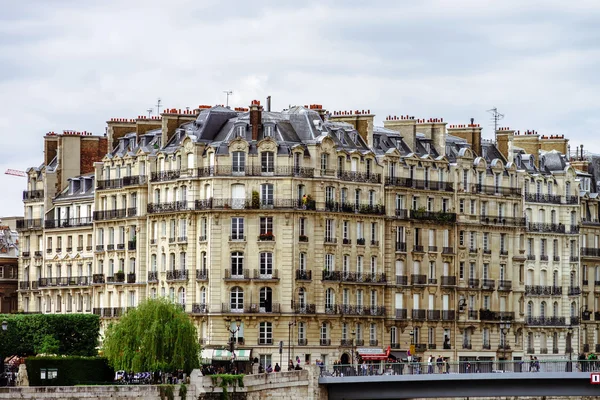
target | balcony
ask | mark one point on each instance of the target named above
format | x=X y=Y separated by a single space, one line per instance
x=448 y=281
x=266 y=237
x=121 y=182
x=99 y=247
x=590 y=252
x=24 y=285
x=545 y=228
x=334 y=206
x=542 y=198
x=401 y=280
x=501 y=221
x=325 y=342
x=573 y=229
x=263 y=275
x=544 y=257
x=467 y=346
x=29 y=195
x=545 y=321
x=110 y=214
x=432 y=249
x=173 y=206
x=359 y=177
x=574 y=291
x=504 y=285
x=539 y=290
x=401 y=213
x=418 y=315
x=447 y=250
x=303 y=239
x=495 y=190
x=531 y=257
x=488 y=315
x=448 y=315
x=67 y=223
x=304 y=308
x=418 y=279
x=434 y=315
x=575 y=321
x=256 y=170
x=571 y=199
x=574 y=258
x=372 y=311
x=130 y=278
x=201 y=275
x=25 y=254
x=302 y=342
x=98 y=279
x=473 y=283
x=354 y=277
x=177 y=275
x=239 y=275
x=303 y=275
x=199 y=308
x=332 y=240
x=439 y=217
x=401 y=247
x=251 y=308
x=488 y=284
x=152 y=276
x=419 y=184
x=401 y=314
x=26 y=224
x=165 y=175
x=38 y=253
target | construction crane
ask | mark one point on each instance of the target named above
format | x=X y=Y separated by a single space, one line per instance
x=16 y=173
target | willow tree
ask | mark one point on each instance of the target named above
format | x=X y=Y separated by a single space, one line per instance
x=157 y=335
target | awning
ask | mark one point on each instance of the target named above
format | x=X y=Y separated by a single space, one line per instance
x=225 y=355
x=206 y=356
x=373 y=354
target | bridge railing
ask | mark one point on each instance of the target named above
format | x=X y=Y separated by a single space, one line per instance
x=461 y=367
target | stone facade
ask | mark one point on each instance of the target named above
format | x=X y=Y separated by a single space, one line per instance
x=329 y=231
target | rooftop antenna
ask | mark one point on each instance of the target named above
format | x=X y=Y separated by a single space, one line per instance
x=158 y=106
x=496 y=117
x=228 y=93
x=150 y=112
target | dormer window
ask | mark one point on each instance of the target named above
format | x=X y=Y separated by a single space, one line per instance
x=268 y=131
x=240 y=131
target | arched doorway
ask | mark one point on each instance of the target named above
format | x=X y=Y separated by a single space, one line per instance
x=345 y=359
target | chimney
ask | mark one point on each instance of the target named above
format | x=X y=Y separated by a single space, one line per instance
x=471 y=133
x=361 y=120
x=504 y=142
x=255 y=118
x=407 y=126
x=579 y=162
x=269 y=103
x=555 y=142
x=434 y=129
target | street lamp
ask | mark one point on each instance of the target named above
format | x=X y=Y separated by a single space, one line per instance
x=570 y=347
x=504 y=328
x=290 y=324
x=353 y=333
x=238 y=325
x=4 y=325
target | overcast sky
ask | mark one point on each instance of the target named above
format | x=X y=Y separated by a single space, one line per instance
x=69 y=64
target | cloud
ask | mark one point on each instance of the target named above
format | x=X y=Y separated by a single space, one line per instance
x=69 y=64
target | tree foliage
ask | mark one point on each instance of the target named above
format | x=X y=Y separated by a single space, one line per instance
x=157 y=335
x=77 y=334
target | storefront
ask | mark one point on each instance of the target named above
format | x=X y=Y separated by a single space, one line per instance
x=223 y=358
x=372 y=360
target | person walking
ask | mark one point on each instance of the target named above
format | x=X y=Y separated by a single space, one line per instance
x=430 y=364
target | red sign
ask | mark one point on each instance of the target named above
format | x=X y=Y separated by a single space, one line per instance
x=595 y=378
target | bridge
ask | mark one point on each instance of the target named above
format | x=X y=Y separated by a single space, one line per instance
x=556 y=379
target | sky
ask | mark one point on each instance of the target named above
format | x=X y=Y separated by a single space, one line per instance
x=72 y=65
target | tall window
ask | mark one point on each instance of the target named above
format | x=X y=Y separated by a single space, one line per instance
x=237 y=263
x=266 y=194
x=266 y=225
x=266 y=265
x=265 y=333
x=237 y=228
x=237 y=299
x=238 y=161
x=324 y=162
x=267 y=161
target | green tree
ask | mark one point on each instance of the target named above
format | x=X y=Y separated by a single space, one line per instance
x=157 y=335
x=49 y=345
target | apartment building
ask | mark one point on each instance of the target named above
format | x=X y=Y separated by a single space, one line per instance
x=9 y=260
x=324 y=232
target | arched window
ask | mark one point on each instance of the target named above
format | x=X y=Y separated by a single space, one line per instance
x=553 y=217
x=543 y=309
x=330 y=301
x=153 y=262
x=237 y=299
x=555 y=278
x=530 y=342
x=172 y=294
x=573 y=218
x=181 y=296
x=237 y=264
x=301 y=298
x=203 y=261
x=573 y=309
x=266 y=299
x=153 y=293
x=203 y=295
x=555 y=309
x=529 y=309
x=541 y=216
x=172 y=261
x=325 y=334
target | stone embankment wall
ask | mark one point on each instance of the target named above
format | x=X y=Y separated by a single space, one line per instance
x=293 y=385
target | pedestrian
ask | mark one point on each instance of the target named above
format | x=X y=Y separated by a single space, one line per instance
x=277 y=367
x=430 y=364
x=440 y=364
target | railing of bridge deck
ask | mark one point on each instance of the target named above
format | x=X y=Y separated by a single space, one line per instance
x=462 y=367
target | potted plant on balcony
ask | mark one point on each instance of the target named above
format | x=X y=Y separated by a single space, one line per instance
x=255 y=200
x=266 y=236
x=120 y=276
